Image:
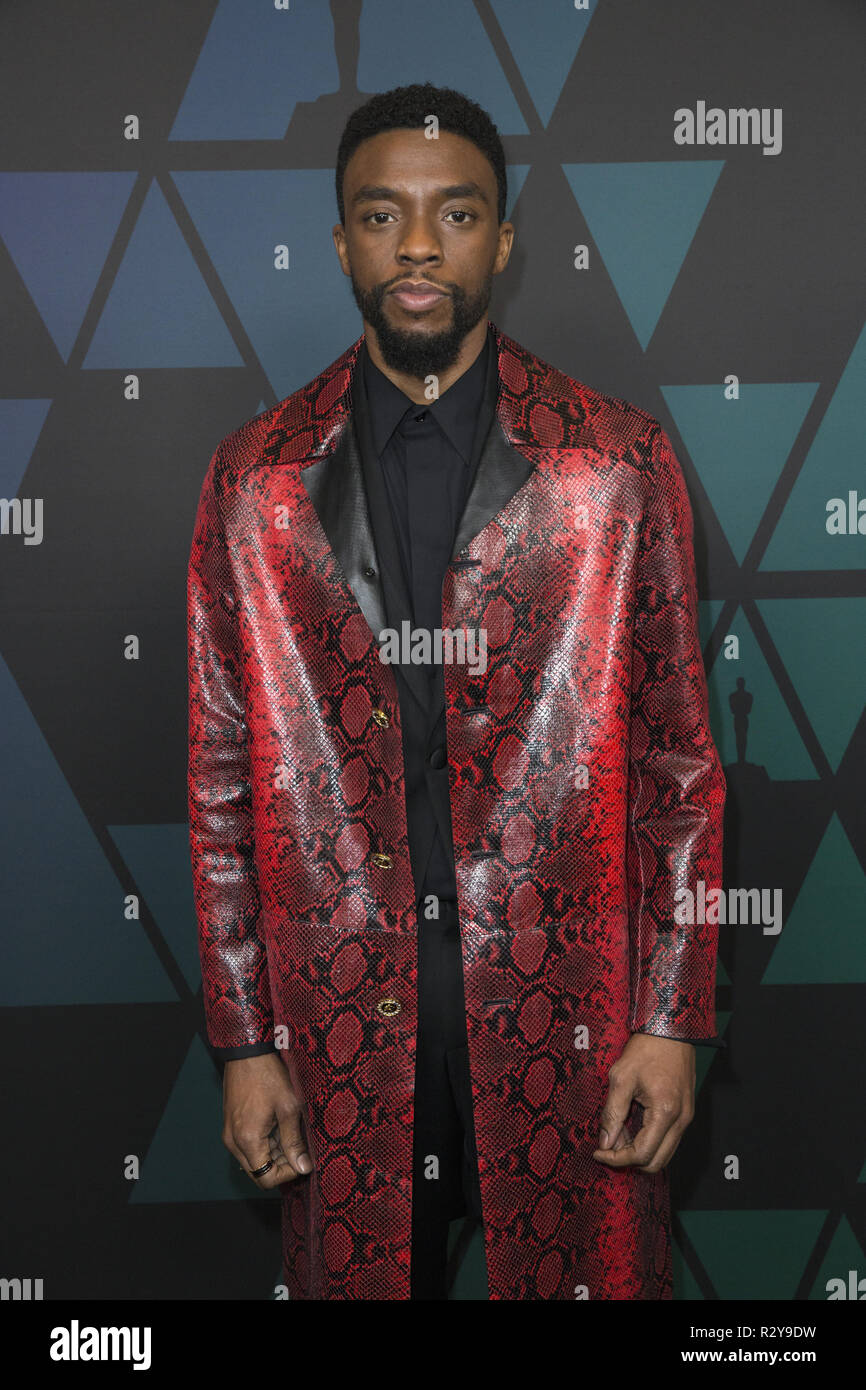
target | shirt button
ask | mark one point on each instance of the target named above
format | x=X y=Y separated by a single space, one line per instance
x=438 y=758
x=381 y=718
x=388 y=1008
x=382 y=861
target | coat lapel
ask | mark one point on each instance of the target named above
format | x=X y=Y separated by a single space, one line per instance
x=501 y=471
x=343 y=493
x=335 y=486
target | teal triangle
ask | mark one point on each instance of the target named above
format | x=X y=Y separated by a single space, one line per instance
x=832 y=468
x=685 y=1283
x=819 y=641
x=71 y=944
x=722 y=976
x=705 y=1056
x=470 y=1280
x=21 y=423
x=753 y=1254
x=187 y=1160
x=740 y=447
x=823 y=940
x=844 y=1257
x=396 y=49
x=643 y=218
x=773 y=741
x=159 y=312
x=58 y=229
x=708 y=615
x=544 y=53
x=158 y=858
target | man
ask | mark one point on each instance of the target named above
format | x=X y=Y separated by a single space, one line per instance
x=436 y=897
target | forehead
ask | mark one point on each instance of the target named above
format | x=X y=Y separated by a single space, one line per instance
x=407 y=159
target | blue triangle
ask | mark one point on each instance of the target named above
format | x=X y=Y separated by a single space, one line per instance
x=58 y=229
x=256 y=62
x=773 y=741
x=819 y=641
x=21 y=423
x=71 y=944
x=516 y=179
x=158 y=857
x=544 y=52
x=739 y=448
x=832 y=467
x=643 y=218
x=187 y=1160
x=235 y=214
x=160 y=312
x=823 y=941
x=453 y=51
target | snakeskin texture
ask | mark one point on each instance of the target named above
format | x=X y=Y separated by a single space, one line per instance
x=585 y=789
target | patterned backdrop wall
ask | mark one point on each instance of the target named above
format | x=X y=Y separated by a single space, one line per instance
x=685 y=178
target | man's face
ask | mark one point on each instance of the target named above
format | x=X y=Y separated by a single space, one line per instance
x=421 y=210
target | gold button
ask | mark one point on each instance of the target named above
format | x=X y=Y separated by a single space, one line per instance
x=388 y=1008
x=381 y=718
x=383 y=861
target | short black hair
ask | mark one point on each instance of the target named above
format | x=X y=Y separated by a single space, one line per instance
x=406 y=108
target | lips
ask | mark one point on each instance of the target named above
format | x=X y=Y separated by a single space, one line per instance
x=420 y=296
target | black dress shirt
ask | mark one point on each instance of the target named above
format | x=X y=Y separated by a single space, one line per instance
x=428 y=454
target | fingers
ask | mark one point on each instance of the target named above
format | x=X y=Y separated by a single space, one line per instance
x=253 y=1151
x=665 y=1151
x=292 y=1143
x=254 y=1154
x=616 y=1107
x=282 y=1146
x=656 y=1142
x=262 y=1125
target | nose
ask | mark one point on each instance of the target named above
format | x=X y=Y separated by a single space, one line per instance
x=419 y=242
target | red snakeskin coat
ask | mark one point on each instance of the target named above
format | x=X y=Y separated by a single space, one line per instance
x=578 y=542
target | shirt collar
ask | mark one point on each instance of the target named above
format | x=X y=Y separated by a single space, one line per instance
x=456 y=410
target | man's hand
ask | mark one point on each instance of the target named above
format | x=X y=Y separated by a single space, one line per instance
x=660 y=1074
x=262 y=1119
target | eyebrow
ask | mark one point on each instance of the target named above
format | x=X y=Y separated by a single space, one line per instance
x=375 y=192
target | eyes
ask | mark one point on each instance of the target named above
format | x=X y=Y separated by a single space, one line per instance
x=454 y=212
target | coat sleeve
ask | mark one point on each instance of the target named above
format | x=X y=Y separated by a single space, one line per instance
x=676 y=784
x=236 y=985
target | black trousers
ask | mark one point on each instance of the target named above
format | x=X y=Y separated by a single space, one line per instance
x=444 y=1162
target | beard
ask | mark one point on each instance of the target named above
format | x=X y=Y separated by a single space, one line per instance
x=419 y=353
